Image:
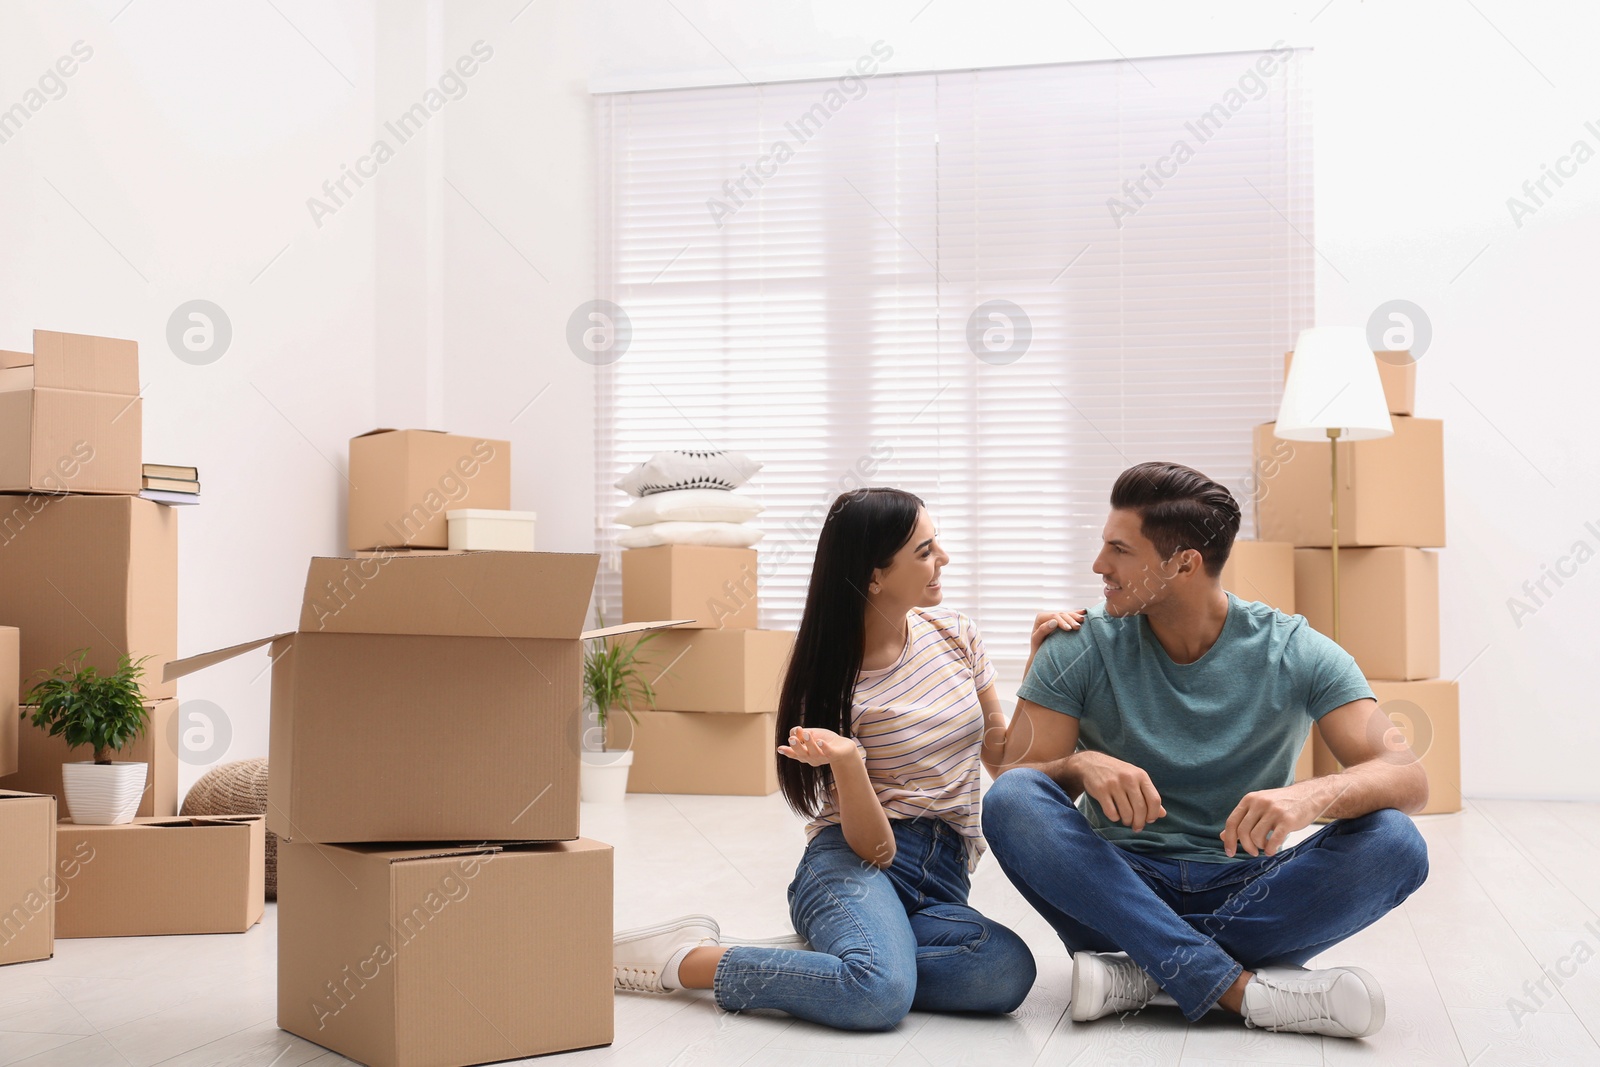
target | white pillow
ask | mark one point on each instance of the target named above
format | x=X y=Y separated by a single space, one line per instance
x=689 y=469
x=690 y=505
x=720 y=534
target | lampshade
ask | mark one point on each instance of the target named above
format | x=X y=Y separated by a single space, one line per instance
x=1333 y=385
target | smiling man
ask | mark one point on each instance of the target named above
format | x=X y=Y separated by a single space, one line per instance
x=1149 y=785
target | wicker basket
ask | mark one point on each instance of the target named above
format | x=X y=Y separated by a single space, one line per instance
x=236 y=789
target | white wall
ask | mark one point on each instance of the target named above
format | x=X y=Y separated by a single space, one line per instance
x=438 y=294
x=1428 y=116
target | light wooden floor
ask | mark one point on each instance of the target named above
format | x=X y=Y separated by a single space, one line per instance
x=1515 y=887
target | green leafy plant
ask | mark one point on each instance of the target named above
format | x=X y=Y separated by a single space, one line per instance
x=83 y=706
x=614 y=677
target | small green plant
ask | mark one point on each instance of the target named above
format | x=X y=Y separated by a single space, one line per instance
x=83 y=706
x=614 y=677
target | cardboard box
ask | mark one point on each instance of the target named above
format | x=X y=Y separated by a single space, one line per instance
x=716 y=587
x=403 y=481
x=692 y=752
x=429 y=697
x=1262 y=570
x=95 y=572
x=439 y=956
x=40 y=756
x=28 y=881
x=1428 y=714
x=716 y=670
x=195 y=875
x=1391 y=490
x=9 y=719
x=70 y=418
x=1388 y=606
x=1398 y=372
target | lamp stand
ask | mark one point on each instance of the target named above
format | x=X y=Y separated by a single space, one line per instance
x=1333 y=450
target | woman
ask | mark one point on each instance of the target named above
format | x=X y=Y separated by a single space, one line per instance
x=885 y=714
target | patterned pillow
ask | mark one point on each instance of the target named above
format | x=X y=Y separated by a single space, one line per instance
x=689 y=469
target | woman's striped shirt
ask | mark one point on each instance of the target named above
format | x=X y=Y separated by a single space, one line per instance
x=920 y=727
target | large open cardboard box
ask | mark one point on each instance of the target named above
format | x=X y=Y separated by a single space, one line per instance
x=714 y=587
x=28 y=880
x=194 y=875
x=403 y=481
x=716 y=670
x=1391 y=490
x=40 y=756
x=429 y=698
x=95 y=572
x=70 y=415
x=445 y=955
x=1262 y=570
x=1388 y=606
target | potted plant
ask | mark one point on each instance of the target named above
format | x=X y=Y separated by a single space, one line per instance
x=613 y=678
x=103 y=712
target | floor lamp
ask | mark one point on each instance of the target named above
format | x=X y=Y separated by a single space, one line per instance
x=1333 y=393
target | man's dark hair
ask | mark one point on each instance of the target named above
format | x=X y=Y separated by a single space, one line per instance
x=1180 y=508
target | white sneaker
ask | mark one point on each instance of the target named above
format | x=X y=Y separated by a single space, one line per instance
x=1337 y=1002
x=794 y=941
x=1106 y=983
x=639 y=956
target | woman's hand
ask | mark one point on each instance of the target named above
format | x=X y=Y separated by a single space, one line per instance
x=818 y=747
x=1048 y=622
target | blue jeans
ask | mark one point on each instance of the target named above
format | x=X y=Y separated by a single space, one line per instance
x=1195 y=927
x=883 y=941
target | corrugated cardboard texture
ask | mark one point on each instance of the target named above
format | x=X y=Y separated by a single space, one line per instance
x=438 y=956
x=95 y=572
x=1398 y=373
x=1428 y=713
x=1262 y=570
x=382 y=737
x=714 y=586
x=717 y=670
x=10 y=721
x=476 y=594
x=28 y=877
x=692 y=752
x=197 y=875
x=80 y=361
x=1391 y=490
x=403 y=481
x=40 y=756
x=1388 y=606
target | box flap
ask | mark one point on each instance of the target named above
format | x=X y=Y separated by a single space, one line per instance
x=631 y=628
x=421 y=851
x=392 y=429
x=472 y=594
x=189 y=664
x=15 y=359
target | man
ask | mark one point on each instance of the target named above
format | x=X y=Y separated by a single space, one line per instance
x=1173 y=717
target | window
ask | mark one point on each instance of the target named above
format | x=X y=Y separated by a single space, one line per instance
x=994 y=288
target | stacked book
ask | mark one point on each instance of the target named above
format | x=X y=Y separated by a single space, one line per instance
x=167 y=484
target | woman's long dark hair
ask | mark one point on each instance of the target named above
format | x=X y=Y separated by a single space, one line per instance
x=863 y=531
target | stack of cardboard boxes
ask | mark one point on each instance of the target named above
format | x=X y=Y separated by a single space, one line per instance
x=436 y=905
x=1391 y=511
x=85 y=563
x=716 y=680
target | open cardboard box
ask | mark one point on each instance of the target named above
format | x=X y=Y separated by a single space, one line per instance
x=28 y=880
x=442 y=955
x=194 y=875
x=429 y=698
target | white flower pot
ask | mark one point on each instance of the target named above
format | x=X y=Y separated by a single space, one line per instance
x=603 y=778
x=103 y=793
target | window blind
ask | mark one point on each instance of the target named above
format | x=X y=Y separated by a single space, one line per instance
x=810 y=271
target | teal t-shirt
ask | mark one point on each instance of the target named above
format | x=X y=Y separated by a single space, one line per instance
x=1208 y=732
